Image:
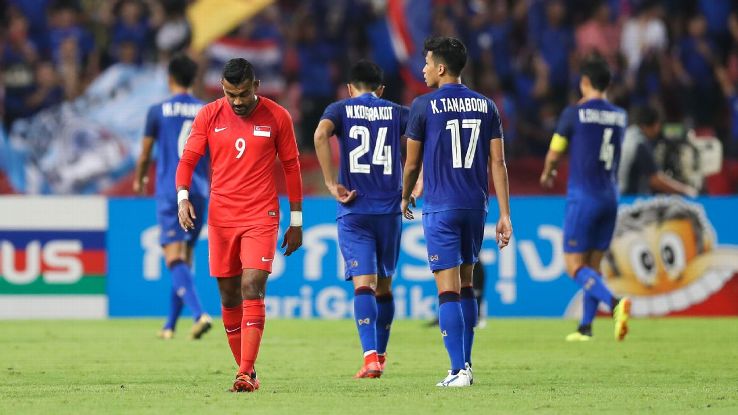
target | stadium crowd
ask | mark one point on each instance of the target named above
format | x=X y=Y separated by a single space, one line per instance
x=677 y=56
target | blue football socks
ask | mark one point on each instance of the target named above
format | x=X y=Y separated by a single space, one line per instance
x=175 y=309
x=589 y=305
x=385 y=315
x=365 y=313
x=184 y=285
x=470 y=310
x=451 y=322
x=592 y=284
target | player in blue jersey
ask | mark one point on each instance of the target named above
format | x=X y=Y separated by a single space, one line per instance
x=592 y=130
x=455 y=134
x=368 y=191
x=168 y=124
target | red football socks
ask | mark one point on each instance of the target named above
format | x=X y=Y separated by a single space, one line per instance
x=252 y=327
x=232 y=322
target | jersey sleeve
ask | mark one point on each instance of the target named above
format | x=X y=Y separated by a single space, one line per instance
x=404 y=115
x=286 y=141
x=565 y=126
x=416 y=122
x=152 y=122
x=197 y=142
x=564 y=130
x=333 y=114
x=496 y=122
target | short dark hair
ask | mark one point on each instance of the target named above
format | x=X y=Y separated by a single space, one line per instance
x=595 y=68
x=449 y=50
x=183 y=70
x=646 y=116
x=367 y=74
x=238 y=70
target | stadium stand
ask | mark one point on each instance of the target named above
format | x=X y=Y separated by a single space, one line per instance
x=79 y=68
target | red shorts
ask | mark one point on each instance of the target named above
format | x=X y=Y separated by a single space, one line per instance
x=234 y=249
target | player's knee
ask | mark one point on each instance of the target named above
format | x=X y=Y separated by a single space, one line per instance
x=174 y=260
x=384 y=287
x=252 y=289
x=231 y=298
x=572 y=269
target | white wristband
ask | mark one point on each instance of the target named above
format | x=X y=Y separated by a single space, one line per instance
x=296 y=218
x=183 y=194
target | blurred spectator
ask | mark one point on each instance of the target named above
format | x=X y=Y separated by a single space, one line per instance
x=175 y=33
x=555 y=40
x=315 y=74
x=72 y=46
x=638 y=173
x=716 y=14
x=730 y=92
x=35 y=12
x=491 y=31
x=65 y=26
x=131 y=22
x=18 y=58
x=47 y=91
x=696 y=62
x=643 y=34
x=599 y=34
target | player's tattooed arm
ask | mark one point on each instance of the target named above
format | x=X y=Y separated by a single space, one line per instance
x=322 y=135
x=293 y=236
x=142 y=166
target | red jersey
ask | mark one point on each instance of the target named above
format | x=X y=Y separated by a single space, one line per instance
x=242 y=154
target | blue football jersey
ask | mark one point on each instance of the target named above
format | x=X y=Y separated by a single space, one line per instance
x=456 y=126
x=369 y=130
x=594 y=130
x=169 y=123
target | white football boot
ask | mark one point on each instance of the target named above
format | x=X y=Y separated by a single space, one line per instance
x=470 y=372
x=458 y=380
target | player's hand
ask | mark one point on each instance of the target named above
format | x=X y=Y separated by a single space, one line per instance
x=406 y=203
x=342 y=194
x=547 y=180
x=186 y=214
x=139 y=186
x=292 y=239
x=503 y=231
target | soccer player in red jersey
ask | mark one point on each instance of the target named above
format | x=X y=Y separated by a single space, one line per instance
x=243 y=133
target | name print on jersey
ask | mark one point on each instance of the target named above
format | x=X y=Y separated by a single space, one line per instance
x=452 y=104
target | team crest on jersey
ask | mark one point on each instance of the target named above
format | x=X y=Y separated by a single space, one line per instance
x=262 y=131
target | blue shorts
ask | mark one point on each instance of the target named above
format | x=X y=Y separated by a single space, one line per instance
x=454 y=237
x=166 y=214
x=589 y=224
x=370 y=244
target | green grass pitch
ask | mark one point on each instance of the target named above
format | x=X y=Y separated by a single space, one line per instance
x=521 y=366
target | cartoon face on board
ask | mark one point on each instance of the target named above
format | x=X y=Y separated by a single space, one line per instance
x=663 y=255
